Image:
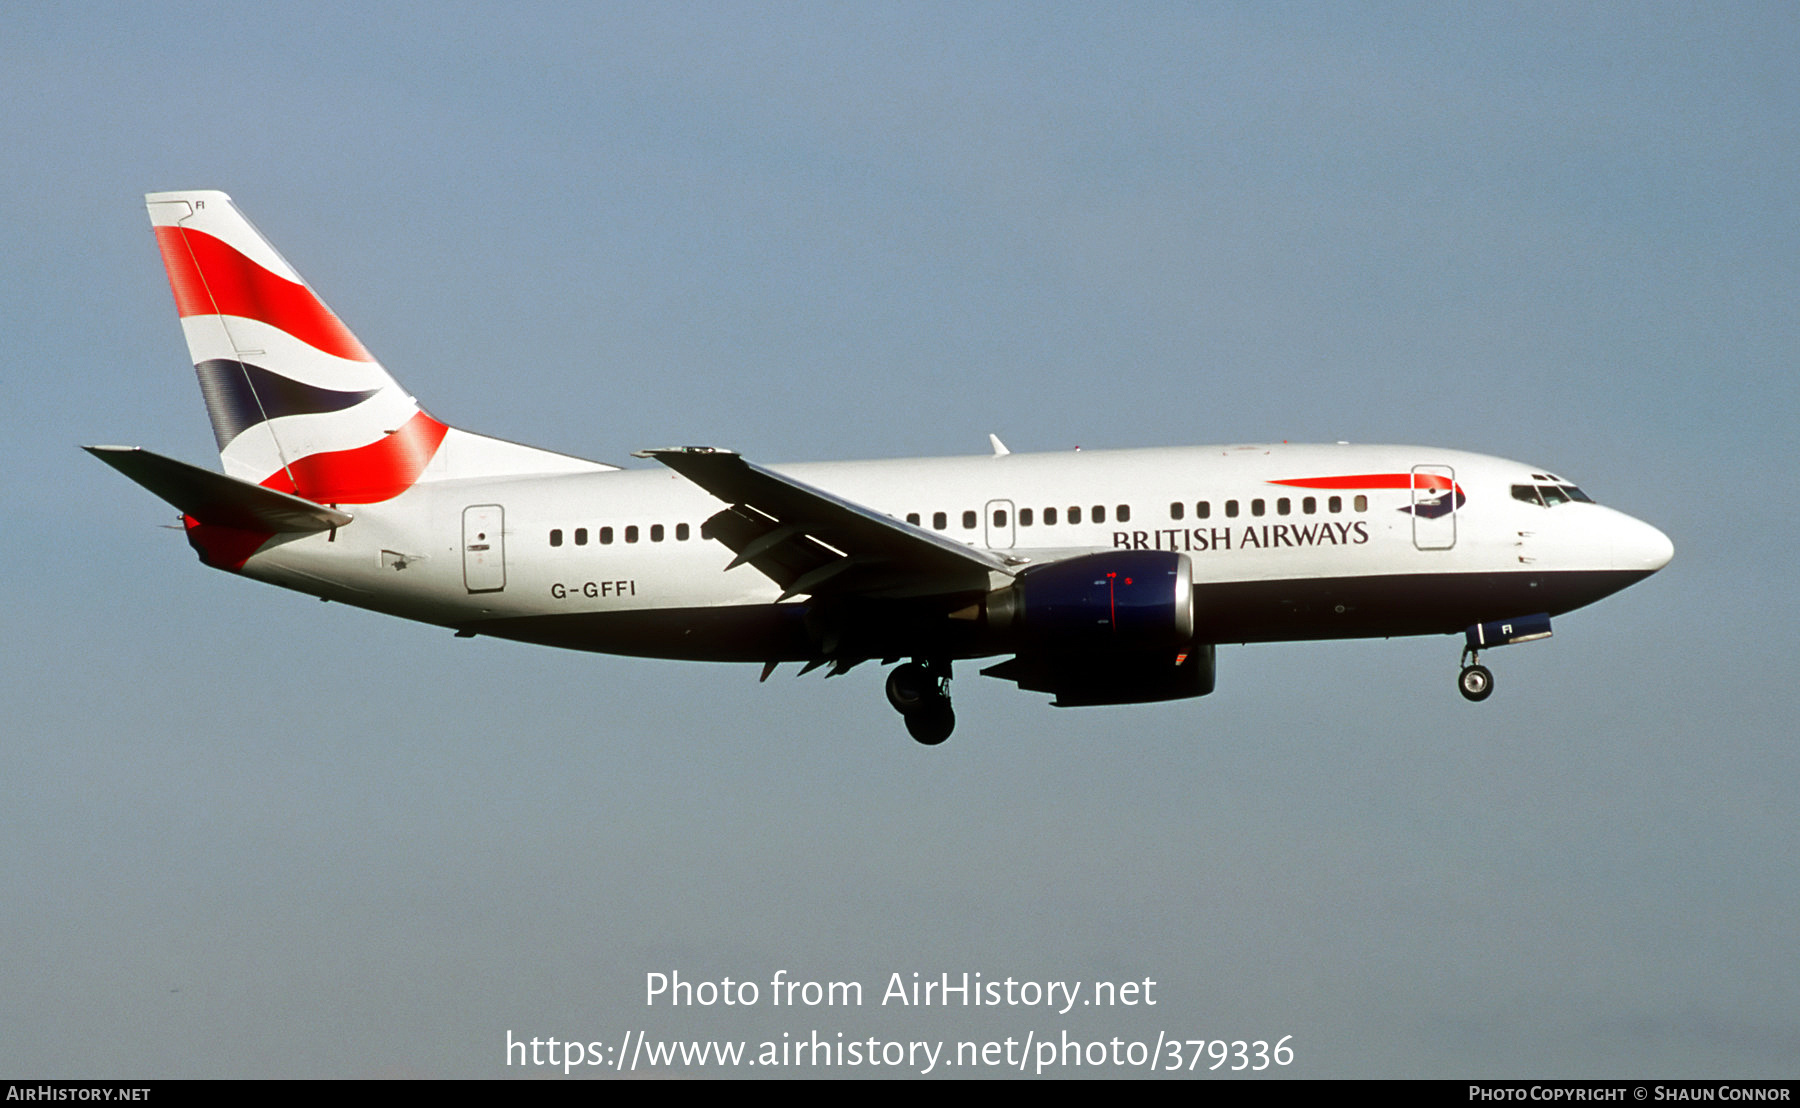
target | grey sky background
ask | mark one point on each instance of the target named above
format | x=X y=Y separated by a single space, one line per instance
x=247 y=834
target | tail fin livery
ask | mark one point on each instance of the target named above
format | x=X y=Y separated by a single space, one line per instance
x=297 y=403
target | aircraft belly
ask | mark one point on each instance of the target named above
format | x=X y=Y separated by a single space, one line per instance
x=1379 y=606
x=1244 y=611
x=738 y=633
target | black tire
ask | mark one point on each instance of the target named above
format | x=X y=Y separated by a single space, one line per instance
x=931 y=725
x=1475 y=683
x=910 y=688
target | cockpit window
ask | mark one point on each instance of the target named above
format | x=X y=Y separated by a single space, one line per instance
x=1549 y=495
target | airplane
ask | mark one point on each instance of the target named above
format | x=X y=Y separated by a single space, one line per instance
x=1098 y=577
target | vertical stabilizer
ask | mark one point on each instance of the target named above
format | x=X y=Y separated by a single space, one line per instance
x=297 y=403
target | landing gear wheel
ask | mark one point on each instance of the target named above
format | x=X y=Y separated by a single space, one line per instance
x=909 y=687
x=920 y=692
x=931 y=724
x=1475 y=683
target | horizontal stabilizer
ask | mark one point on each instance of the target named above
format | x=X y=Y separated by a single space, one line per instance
x=214 y=498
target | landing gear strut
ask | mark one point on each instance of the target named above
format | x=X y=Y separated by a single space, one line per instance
x=920 y=692
x=1476 y=682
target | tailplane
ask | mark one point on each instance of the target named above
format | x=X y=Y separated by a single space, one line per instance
x=215 y=500
x=297 y=403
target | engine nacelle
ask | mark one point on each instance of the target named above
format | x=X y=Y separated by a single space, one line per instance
x=1110 y=628
x=1117 y=600
x=1078 y=680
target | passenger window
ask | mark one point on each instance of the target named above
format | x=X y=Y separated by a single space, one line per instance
x=1074 y=513
x=1231 y=509
x=1283 y=506
x=1335 y=505
x=1176 y=510
x=939 y=520
x=969 y=521
x=1362 y=502
x=556 y=536
x=1099 y=513
x=631 y=533
x=681 y=532
x=656 y=532
x=1049 y=517
x=1203 y=510
x=1310 y=505
x=1124 y=515
x=999 y=517
x=581 y=536
x=606 y=536
x=1024 y=517
x=1256 y=507
x=912 y=518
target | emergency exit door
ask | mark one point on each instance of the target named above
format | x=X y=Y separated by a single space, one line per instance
x=999 y=525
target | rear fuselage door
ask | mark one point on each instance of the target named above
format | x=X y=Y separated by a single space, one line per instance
x=484 y=548
x=1434 y=507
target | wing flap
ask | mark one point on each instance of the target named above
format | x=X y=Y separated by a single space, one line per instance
x=781 y=552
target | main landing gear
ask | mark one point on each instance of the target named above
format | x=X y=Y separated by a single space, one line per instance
x=1476 y=682
x=920 y=691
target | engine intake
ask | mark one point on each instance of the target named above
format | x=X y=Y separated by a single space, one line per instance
x=1115 y=600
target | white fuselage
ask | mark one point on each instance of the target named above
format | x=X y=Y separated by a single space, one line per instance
x=1270 y=559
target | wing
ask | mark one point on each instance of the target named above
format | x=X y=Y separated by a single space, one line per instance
x=813 y=543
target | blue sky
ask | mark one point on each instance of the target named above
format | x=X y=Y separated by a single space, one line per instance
x=248 y=834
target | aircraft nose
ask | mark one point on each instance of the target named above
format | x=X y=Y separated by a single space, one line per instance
x=1639 y=546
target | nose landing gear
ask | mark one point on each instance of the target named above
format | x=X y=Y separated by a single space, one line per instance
x=1475 y=682
x=920 y=691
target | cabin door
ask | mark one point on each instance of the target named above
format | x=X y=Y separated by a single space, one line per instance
x=1434 y=507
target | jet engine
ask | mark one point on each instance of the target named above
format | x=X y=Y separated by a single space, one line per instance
x=1110 y=628
x=1118 y=600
